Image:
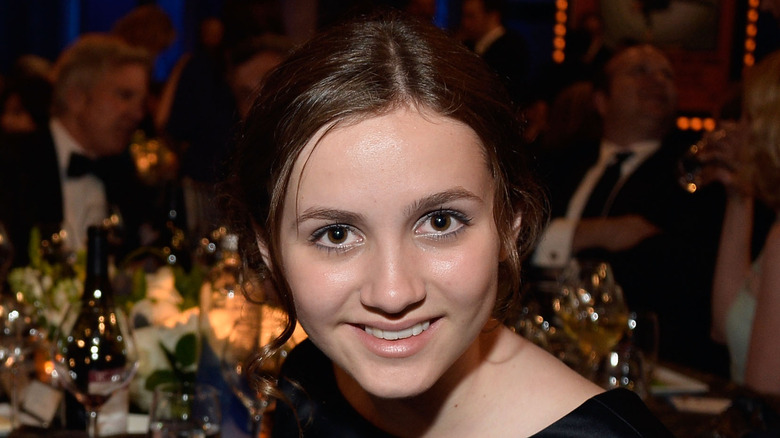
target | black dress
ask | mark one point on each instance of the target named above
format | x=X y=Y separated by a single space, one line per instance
x=323 y=411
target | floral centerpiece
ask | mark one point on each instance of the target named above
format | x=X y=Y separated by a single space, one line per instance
x=166 y=319
x=48 y=283
x=162 y=305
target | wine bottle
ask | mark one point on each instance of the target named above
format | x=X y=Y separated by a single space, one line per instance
x=96 y=343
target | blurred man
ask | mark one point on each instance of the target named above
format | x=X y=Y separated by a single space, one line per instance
x=620 y=201
x=73 y=173
x=504 y=51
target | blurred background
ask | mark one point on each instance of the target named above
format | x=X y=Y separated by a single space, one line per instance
x=709 y=41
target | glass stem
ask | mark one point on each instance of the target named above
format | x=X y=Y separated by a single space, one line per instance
x=92 y=424
x=257 y=425
x=14 y=395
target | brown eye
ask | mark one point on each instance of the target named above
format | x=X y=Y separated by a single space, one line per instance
x=441 y=222
x=337 y=235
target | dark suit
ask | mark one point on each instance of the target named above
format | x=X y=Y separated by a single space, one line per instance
x=509 y=57
x=31 y=192
x=669 y=273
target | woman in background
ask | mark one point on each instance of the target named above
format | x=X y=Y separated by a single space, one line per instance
x=746 y=301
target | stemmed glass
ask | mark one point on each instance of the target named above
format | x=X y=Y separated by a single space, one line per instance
x=715 y=149
x=94 y=356
x=243 y=367
x=593 y=310
x=18 y=342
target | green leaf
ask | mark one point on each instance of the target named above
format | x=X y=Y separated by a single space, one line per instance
x=33 y=247
x=159 y=377
x=189 y=284
x=187 y=350
x=139 y=286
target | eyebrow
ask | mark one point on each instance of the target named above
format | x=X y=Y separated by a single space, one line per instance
x=431 y=202
x=436 y=200
x=330 y=215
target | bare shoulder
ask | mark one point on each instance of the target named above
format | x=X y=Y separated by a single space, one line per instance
x=539 y=385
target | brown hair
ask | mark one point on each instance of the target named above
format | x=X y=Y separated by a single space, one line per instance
x=362 y=69
x=762 y=108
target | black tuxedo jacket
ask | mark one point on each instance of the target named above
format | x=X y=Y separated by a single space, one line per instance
x=669 y=273
x=509 y=57
x=31 y=192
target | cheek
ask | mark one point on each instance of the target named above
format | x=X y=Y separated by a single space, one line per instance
x=468 y=277
x=319 y=291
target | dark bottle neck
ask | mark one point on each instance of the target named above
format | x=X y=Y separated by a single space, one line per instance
x=97 y=252
x=97 y=287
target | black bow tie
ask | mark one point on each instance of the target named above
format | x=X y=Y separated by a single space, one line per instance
x=80 y=165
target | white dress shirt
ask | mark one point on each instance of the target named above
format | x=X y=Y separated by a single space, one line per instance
x=555 y=247
x=83 y=198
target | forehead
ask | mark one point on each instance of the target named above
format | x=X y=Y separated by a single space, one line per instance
x=400 y=152
x=640 y=57
x=124 y=75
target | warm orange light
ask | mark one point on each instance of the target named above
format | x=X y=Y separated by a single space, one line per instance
x=558 y=56
x=753 y=3
x=709 y=124
x=696 y=123
x=560 y=16
x=749 y=60
x=751 y=30
x=683 y=123
x=750 y=44
x=561 y=4
x=559 y=30
x=559 y=43
x=752 y=15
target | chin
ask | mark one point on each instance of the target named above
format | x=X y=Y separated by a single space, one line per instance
x=391 y=384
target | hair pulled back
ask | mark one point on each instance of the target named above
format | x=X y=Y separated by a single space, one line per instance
x=361 y=69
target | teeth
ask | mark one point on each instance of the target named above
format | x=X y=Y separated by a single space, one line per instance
x=401 y=334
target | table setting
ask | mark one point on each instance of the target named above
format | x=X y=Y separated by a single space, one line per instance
x=197 y=334
x=579 y=315
x=190 y=332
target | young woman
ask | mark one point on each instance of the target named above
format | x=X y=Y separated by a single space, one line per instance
x=745 y=294
x=380 y=170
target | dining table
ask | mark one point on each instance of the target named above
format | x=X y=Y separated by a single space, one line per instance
x=696 y=404
x=711 y=406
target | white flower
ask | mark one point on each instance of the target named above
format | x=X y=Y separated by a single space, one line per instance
x=161 y=286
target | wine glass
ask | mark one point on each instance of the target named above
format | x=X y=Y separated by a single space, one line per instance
x=19 y=340
x=715 y=149
x=242 y=364
x=184 y=410
x=94 y=355
x=593 y=310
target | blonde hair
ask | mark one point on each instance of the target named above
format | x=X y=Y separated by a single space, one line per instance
x=762 y=108
x=83 y=63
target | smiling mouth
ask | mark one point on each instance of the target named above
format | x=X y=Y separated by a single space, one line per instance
x=390 y=335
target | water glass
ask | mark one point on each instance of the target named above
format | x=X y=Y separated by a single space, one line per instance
x=185 y=411
x=624 y=367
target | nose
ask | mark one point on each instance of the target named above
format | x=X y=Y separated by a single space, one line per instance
x=394 y=281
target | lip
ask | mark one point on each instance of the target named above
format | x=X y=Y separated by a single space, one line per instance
x=397 y=348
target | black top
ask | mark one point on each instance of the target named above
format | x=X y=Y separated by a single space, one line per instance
x=324 y=412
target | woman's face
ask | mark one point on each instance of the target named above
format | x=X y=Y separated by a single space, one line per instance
x=390 y=247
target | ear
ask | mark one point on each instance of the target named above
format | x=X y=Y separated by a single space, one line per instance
x=515 y=234
x=264 y=253
x=516 y=226
x=75 y=99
